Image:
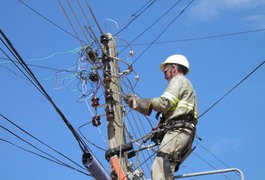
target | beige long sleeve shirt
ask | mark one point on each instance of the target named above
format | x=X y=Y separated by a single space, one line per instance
x=178 y=99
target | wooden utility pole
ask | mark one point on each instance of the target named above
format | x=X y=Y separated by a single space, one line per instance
x=113 y=98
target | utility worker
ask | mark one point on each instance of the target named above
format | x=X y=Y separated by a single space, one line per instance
x=178 y=105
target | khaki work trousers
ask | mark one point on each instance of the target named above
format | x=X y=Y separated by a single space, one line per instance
x=174 y=142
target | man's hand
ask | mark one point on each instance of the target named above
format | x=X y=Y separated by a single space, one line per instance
x=141 y=105
x=129 y=98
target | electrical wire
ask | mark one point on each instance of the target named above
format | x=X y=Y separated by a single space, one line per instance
x=83 y=146
x=130 y=88
x=247 y=76
x=224 y=97
x=38 y=66
x=73 y=12
x=183 y=11
x=39 y=155
x=26 y=132
x=149 y=27
x=143 y=8
x=94 y=17
x=86 y=18
x=48 y=57
x=216 y=157
x=145 y=131
x=218 y=102
x=9 y=47
x=53 y=23
x=212 y=154
x=155 y=152
x=93 y=116
x=232 y=89
x=209 y=164
x=50 y=21
x=71 y=24
x=28 y=78
x=135 y=15
x=83 y=12
x=191 y=39
x=161 y=33
x=79 y=129
x=30 y=144
x=203 y=37
x=81 y=143
x=21 y=70
x=140 y=134
x=22 y=77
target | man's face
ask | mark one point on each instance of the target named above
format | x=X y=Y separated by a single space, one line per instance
x=168 y=71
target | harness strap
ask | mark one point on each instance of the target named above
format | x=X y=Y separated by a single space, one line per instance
x=176 y=157
x=158 y=136
x=168 y=158
x=173 y=125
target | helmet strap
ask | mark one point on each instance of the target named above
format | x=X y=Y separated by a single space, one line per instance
x=171 y=73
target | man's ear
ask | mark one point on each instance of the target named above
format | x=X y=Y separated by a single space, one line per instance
x=175 y=68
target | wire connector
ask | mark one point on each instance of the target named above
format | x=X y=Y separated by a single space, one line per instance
x=96 y=121
x=104 y=39
x=93 y=76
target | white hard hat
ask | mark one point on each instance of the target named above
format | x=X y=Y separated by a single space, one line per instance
x=176 y=59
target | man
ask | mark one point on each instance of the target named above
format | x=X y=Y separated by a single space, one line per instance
x=178 y=105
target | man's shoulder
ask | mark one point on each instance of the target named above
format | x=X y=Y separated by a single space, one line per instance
x=180 y=78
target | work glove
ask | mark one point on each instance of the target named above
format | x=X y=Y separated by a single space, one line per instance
x=129 y=99
x=141 y=105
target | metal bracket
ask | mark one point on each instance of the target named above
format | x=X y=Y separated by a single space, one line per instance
x=211 y=172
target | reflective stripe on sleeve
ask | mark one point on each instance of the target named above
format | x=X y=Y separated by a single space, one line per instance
x=170 y=97
x=179 y=103
x=195 y=115
x=185 y=104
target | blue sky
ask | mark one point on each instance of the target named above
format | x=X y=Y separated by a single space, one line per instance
x=232 y=131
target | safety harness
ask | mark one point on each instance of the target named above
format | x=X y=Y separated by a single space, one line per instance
x=182 y=123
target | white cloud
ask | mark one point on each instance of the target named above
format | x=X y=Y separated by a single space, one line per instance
x=225 y=145
x=241 y=3
x=210 y=9
x=256 y=20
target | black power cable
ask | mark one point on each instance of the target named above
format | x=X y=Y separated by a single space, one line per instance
x=57 y=161
x=83 y=146
x=26 y=132
x=44 y=157
x=81 y=143
x=232 y=89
